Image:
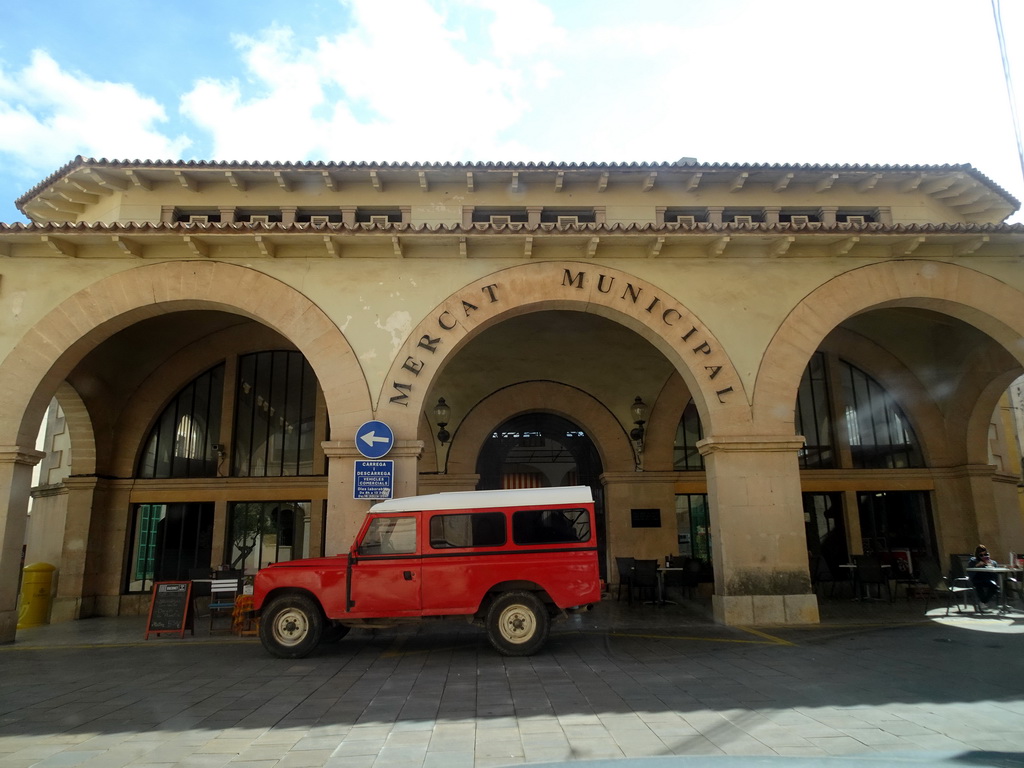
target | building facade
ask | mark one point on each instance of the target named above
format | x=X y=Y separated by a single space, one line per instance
x=766 y=369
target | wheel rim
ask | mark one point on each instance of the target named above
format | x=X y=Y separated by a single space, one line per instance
x=517 y=624
x=290 y=627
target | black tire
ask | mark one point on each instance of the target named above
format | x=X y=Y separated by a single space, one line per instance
x=291 y=626
x=517 y=624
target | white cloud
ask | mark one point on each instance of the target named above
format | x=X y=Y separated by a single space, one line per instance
x=48 y=115
x=402 y=83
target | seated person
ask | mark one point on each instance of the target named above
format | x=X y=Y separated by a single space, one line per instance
x=985 y=585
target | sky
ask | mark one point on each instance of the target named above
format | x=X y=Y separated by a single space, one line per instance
x=731 y=81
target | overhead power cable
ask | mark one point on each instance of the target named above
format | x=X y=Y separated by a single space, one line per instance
x=1008 y=79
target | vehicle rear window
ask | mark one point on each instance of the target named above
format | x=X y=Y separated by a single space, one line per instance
x=481 y=529
x=389 y=535
x=550 y=526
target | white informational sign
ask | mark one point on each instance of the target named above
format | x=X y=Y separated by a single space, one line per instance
x=374 y=479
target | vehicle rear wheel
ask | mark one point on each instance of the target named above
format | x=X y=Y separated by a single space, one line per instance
x=291 y=626
x=517 y=623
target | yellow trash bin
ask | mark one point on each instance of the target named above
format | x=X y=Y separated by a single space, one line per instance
x=36 y=583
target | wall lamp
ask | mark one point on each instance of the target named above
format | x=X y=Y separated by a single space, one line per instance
x=442 y=415
x=638 y=410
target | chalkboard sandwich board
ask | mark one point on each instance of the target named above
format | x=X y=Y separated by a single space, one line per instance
x=168 y=610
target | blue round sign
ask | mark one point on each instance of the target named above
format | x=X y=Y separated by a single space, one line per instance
x=374 y=439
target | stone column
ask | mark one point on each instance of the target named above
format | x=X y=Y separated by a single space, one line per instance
x=15 y=484
x=759 y=544
x=68 y=604
x=344 y=513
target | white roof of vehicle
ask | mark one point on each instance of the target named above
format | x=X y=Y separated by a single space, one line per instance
x=524 y=497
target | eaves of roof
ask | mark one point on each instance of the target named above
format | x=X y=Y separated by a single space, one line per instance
x=216 y=228
x=685 y=165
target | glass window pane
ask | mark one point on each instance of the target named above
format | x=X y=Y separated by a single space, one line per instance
x=179 y=444
x=550 y=526
x=484 y=529
x=275 y=415
x=881 y=436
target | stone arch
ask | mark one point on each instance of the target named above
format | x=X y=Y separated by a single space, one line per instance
x=144 y=407
x=80 y=430
x=981 y=301
x=594 y=418
x=659 y=442
x=911 y=396
x=45 y=355
x=634 y=303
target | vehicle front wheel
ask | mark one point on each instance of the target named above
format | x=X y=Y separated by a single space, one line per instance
x=517 y=624
x=291 y=626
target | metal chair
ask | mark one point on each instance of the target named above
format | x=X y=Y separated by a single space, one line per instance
x=223 y=593
x=200 y=578
x=960 y=584
x=645 y=577
x=625 y=568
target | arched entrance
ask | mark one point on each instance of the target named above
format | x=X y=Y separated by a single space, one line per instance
x=543 y=450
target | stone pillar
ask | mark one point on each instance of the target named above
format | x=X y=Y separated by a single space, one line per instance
x=15 y=484
x=715 y=214
x=533 y=215
x=348 y=215
x=110 y=548
x=827 y=214
x=71 y=601
x=344 y=513
x=288 y=214
x=227 y=214
x=771 y=214
x=759 y=544
x=966 y=513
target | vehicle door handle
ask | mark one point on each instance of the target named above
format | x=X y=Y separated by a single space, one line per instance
x=407 y=575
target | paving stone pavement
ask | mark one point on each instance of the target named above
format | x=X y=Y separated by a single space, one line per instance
x=620 y=682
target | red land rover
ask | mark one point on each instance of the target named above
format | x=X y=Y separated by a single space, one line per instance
x=510 y=561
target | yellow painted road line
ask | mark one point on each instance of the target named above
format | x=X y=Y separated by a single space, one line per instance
x=771 y=638
x=92 y=646
x=645 y=636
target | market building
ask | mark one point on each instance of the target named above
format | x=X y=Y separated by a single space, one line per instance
x=764 y=368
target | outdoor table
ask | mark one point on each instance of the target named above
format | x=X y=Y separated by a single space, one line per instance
x=662 y=570
x=1001 y=571
x=852 y=568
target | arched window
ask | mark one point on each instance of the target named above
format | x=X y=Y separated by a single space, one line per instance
x=877 y=432
x=686 y=457
x=180 y=443
x=880 y=434
x=813 y=416
x=275 y=411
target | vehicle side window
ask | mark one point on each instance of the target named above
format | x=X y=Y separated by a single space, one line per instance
x=481 y=529
x=550 y=526
x=389 y=535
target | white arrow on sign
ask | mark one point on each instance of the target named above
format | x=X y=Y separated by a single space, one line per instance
x=371 y=437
